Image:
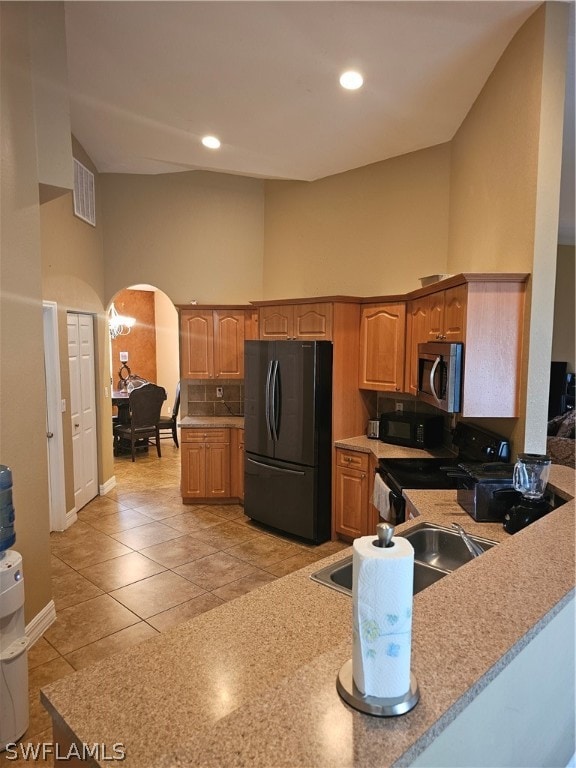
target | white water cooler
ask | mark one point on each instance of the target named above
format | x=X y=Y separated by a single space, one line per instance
x=13 y=653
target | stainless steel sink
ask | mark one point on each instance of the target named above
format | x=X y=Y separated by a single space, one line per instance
x=437 y=552
x=441 y=547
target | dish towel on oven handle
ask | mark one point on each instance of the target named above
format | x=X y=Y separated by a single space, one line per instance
x=381 y=499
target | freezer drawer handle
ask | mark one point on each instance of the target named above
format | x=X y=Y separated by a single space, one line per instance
x=278 y=469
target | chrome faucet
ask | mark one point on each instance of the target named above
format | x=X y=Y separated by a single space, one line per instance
x=474 y=548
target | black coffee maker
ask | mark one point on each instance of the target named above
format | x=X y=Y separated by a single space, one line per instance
x=531 y=473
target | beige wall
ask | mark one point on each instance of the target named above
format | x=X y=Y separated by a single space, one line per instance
x=50 y=87
x=495 y=161
x=194 y=235
x=374 y=230
x=167 y=347
x=22 y=388
x=73 y=277
x=563 y=340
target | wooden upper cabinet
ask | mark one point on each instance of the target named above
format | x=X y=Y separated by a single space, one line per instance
x=197 y=344
x=382 y=340
x=455 y=305
x=276 y=322
x=313 y=321
x=212 y=343
x=487 y=316
x=493 y=349
x=228 y=344
x=437 y=317
x=296 y=321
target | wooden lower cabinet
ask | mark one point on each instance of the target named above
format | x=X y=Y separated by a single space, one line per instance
x=351 y=493
x=212 y=465
x=354 y=513
x=205 y=461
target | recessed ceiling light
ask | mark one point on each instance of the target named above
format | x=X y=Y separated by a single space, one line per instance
x=211 y=142
x=351 y=80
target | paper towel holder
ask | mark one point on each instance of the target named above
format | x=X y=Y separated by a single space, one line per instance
x=374 y=705
x=385 y=533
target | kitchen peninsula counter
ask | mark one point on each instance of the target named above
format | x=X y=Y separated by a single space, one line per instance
x=383 y=450
x=212 y=422
x=252 y=682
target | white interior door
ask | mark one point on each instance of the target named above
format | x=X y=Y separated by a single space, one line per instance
x=83 y=407
x=54 y=432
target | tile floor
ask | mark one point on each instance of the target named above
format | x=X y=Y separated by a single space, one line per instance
x=138 y=562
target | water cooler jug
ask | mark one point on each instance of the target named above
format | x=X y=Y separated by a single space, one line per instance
x=13 y=641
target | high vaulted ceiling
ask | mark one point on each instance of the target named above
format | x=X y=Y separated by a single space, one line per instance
x=149 y=79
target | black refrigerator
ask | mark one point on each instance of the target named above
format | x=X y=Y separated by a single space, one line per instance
x=288 y=436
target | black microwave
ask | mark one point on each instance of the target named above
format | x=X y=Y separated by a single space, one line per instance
x=414 y=430
x=440 y=365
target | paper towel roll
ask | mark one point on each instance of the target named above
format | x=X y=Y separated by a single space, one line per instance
x=382 y=582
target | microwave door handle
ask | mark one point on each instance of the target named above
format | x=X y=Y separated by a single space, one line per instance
x=432 y=374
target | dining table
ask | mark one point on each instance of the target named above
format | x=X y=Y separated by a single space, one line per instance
x=121 y=399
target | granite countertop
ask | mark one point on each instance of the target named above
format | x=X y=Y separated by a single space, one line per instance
x=212 y=422
x=388 y=451
x=252 y=682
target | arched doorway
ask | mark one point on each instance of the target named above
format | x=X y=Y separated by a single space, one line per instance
x=150 y=349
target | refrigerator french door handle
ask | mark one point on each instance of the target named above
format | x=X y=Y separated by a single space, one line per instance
x=276 y=469
x=267 y=403
x=274 y=401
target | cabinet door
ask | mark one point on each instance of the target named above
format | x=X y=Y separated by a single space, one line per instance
x=228 y=344
x=454 y=325
x=313 y=321
x=197 y=344
x=382 y=338
x=193 y=474
x=217 y=470
x=351 y=502
x=276 y=322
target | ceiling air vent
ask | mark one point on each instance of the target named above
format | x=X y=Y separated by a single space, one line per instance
x=84 y=200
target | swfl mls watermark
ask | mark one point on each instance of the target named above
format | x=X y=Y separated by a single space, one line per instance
x=45 y=749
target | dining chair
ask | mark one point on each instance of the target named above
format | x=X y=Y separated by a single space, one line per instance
x=170 y=423
x=145 y=405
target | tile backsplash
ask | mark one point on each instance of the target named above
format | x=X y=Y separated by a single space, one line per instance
x=201 y=397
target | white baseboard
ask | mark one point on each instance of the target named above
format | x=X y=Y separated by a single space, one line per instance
x=40 y=623
x=71 y=518
x=107 y=486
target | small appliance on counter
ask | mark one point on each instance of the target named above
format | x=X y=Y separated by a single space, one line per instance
x=413 y=430
x=477 y=448
x=373 y=429
x=531 y=473
x=486 y=491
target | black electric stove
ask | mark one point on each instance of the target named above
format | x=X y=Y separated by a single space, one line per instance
x=480 y=453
